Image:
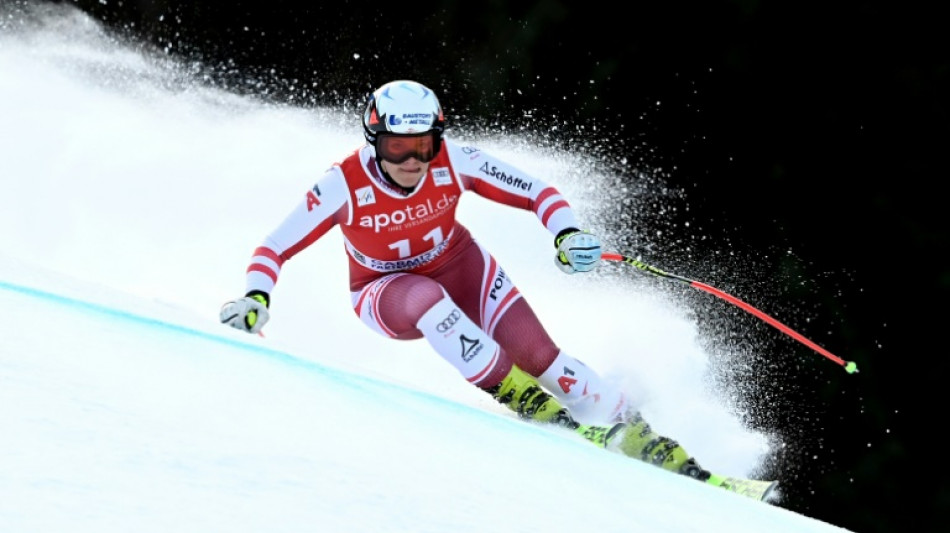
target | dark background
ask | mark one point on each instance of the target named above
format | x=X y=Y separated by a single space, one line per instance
x=808 y=139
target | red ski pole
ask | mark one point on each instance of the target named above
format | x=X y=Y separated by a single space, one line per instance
x=850 y=366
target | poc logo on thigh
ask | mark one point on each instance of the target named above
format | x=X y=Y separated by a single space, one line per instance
x=500 y=286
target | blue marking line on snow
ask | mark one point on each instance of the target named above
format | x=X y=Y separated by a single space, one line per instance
x=343 y=377
x=154 y=322
x=126 y=315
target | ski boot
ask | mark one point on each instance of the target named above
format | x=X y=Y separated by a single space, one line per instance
x=522 y=393
x=639 y=441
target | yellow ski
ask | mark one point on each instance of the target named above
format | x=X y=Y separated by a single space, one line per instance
x=755 y=489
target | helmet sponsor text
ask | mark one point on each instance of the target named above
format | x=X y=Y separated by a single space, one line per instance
x=410 y=119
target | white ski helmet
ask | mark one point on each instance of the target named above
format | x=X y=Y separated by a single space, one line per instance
x=403 y=107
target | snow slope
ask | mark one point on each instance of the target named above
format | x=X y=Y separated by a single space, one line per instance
x=133 y=196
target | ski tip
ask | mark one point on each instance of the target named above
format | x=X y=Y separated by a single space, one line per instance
x=772 y=494
x=762 y=490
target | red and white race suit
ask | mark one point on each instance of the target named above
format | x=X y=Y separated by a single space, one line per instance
x=416 y=271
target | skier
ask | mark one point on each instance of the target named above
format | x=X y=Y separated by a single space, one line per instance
x=415 y=271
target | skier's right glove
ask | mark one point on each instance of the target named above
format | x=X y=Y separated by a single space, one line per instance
x=248 y=313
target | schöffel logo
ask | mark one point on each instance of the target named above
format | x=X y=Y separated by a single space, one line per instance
x=449 y=321
x=508 y=179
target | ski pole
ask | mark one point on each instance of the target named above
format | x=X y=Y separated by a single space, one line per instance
x=850 y=366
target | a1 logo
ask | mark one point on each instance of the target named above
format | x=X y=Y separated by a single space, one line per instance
x=566 y=382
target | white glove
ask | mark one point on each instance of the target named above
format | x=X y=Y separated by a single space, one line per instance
x=577 y=251
x=247 y=314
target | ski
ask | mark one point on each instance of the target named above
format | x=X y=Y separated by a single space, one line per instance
x=643 y=444
x=752 y=488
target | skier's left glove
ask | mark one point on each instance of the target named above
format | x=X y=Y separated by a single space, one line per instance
x=577 y=251
x=248 y=313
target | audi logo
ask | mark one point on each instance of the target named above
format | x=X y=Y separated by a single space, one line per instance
x=449 y=321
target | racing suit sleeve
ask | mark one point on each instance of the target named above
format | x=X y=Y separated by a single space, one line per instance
x=323 y=206
x=499 y=181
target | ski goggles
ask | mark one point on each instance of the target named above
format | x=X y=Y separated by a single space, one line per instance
x=397 y=149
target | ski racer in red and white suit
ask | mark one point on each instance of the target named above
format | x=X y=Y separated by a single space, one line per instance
x=411 y=261
x=416 y=271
